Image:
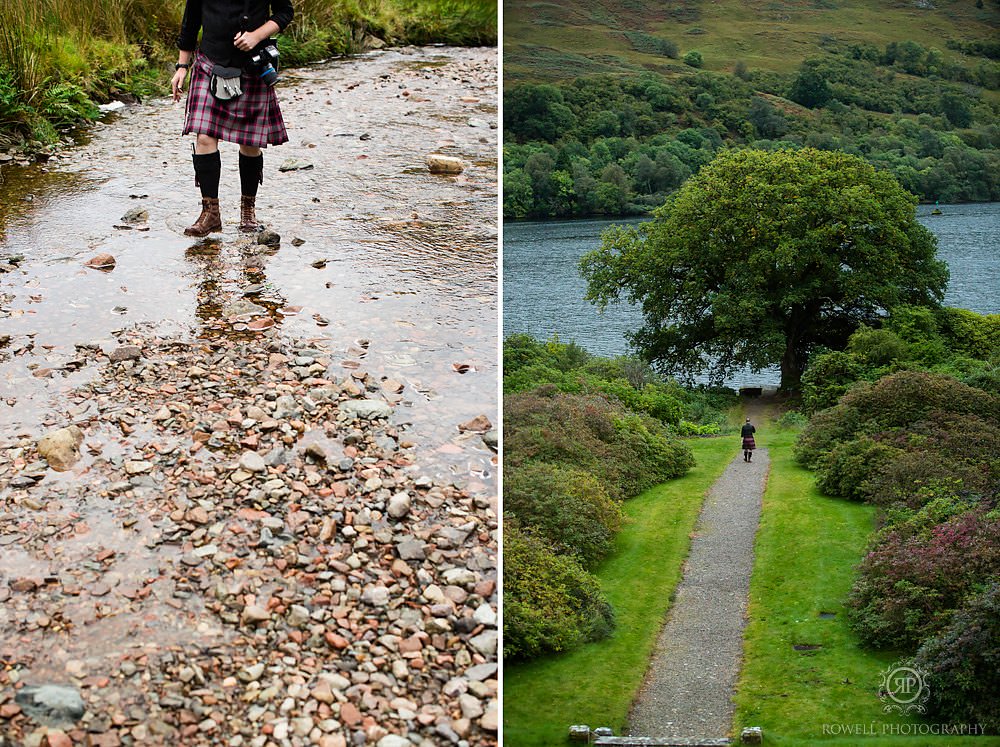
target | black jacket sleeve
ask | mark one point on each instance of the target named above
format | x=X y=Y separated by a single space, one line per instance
x=187 y=40
x=281 y=13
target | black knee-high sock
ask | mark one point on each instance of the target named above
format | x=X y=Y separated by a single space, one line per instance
x=251 y=174
x=207 y=171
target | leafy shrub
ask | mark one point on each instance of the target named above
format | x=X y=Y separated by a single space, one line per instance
x=845 y=471
x=649 y=455
x=570 y=507
x=694 y=59
x=975 y=334
x=791 y=420
x=535 y=375
x=876 y=347
x=550 y=603
x=687 y=428
x=643 y=42
x=894 y=401
x=963 y=664
x=827 y=378
x=941 y=448
x=909 y=584
x=986 y=378
x=629 y=452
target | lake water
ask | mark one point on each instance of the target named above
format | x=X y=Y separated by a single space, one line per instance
x=543 y=291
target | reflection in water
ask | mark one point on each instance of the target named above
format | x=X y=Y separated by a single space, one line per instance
x=226 y=272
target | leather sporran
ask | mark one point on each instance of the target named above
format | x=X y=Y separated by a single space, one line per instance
x=225 y=83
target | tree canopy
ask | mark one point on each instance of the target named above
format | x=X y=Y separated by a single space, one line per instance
x=763 y=256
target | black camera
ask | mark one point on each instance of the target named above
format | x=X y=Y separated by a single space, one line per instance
x=264 y=62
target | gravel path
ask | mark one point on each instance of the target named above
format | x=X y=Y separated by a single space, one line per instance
x=692 y=675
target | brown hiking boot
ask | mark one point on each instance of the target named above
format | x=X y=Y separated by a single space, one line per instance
x=248 y=215
x=208 y=221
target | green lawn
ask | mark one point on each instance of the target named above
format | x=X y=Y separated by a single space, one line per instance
x=807 y=548
x=595 y=684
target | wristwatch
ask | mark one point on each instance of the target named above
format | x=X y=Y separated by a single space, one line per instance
x=180 y=65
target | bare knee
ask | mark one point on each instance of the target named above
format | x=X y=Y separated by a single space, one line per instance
x=206 y=144
x=249 y=151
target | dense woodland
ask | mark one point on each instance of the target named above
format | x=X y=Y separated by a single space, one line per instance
x=617 y=145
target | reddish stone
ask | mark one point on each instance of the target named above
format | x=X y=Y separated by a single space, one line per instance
x=336 y=641
x=108 y=739
x=410 y=645
x=349 y=714
x=485 y=588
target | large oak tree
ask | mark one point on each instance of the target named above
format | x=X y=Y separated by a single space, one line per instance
x=763 y=256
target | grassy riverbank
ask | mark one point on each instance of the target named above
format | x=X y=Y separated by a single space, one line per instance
x=807 y=549
x=58 y=58
x=595 y=684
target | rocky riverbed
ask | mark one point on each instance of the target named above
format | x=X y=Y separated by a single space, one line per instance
x=247 y=487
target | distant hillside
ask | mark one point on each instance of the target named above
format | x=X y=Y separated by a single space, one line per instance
x=555 y=40
x=610 y=105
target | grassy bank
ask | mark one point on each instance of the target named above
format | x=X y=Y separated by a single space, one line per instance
x=807 y=548
x=58 y=58
x=595 y=684
x=566 y=39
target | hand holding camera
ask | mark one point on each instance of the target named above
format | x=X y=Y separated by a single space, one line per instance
x=264 y=61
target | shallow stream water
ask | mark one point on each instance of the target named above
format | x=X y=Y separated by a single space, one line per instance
x=382 y=267
x=408 y=259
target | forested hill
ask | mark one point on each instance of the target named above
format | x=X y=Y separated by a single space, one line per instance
x=611 y=104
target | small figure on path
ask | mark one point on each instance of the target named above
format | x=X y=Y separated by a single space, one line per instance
x=231 y=96
x=748 y=443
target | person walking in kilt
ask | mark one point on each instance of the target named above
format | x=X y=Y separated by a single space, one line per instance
x=746 y=433
x=231 y=96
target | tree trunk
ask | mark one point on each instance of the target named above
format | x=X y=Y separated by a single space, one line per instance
x=792 y=365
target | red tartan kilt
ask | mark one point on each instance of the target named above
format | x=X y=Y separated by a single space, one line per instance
x=748 y=443
x=252 y=119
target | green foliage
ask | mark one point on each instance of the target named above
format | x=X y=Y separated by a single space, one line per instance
x=827 y=378
x=529 y=364
x=59 y=58
x=569 y=507
x=791 y=420
x=694 y=58
x=550 y=603
x=687 y=428
x=973 y=334
x=955 y=342
x=810 y=87
x=894 y=402
x=643 y=42
x=629 y=452
x=963 y=662
x=876 y=347
x=932 y=127
x=845 y=470
x=761 y=257
x=537 y=112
